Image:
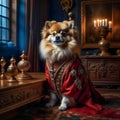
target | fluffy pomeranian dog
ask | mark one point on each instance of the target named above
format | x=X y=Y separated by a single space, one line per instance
x=65 y=74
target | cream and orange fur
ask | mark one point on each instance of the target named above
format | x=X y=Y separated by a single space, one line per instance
x=59 y=42
x=55 y=51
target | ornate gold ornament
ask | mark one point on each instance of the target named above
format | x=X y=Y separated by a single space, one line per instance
x=2 y=63
x=66 y=4
x=12 y=70
x=23 y=65
x=104 y=44
x=118 y=52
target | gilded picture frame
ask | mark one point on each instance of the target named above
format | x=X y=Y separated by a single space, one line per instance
x=91 y=10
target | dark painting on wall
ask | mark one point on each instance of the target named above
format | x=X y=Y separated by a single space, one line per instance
x=99 y=9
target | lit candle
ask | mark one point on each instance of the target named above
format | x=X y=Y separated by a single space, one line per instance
x=1 y=83
x=98 y=22
x=103 y=22
x=94 y=23
x=110 y=24
x=106 y=22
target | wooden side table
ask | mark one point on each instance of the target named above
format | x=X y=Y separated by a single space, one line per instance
x=14 y=95
x=102 y=70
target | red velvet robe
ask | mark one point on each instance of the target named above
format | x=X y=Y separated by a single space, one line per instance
x=71 y=80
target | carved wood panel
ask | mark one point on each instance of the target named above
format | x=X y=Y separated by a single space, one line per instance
x=103 y=70
x=15 y=95
x=19 y=95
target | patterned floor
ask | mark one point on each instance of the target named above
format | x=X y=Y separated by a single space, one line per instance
x=37 y=111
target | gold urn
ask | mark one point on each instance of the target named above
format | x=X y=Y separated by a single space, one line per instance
x=118 y=52
x=104 y=46
x=12 y=70
x=23 y=65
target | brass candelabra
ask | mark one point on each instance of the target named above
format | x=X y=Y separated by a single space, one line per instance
x=103 y=27
x=104 y=44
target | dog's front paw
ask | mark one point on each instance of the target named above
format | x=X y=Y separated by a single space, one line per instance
x=51 y=103
x=63 y=107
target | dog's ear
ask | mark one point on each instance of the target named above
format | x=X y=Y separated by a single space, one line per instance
x=73 y=31
x=45 y=30
x=70 y=23
x=48 y=24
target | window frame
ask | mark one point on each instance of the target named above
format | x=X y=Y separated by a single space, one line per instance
x=4 y=21
x=13 y=22
x=12 y=19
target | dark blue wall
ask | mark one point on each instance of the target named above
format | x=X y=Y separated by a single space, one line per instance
x=55 y=11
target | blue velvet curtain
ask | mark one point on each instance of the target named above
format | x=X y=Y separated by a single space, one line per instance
x=38 y=16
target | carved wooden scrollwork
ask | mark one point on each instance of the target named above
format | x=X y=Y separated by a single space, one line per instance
x=93 y=66
x=66 y=4
x=18 y=96
x=103 y=69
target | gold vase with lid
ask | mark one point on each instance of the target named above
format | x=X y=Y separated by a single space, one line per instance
x=12 y=70
x=104 y=44
x=23 y=66
x=2 y=74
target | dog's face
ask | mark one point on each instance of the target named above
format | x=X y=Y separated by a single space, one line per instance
x=58 y=34
x=59 y=39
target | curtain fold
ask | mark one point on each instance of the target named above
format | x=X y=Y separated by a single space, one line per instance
x=38 y=15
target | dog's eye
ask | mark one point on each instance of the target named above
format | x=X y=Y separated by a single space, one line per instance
x=54 y=33
x=62 y=33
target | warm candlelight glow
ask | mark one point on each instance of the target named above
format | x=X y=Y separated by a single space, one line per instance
x=98 y=22
x=102 y=23
x=103 y=27
x=110 y=24
x=1 y=83
x=94 y=23
x=106 y=22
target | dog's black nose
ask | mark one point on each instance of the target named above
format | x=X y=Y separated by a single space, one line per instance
x=58 y=38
